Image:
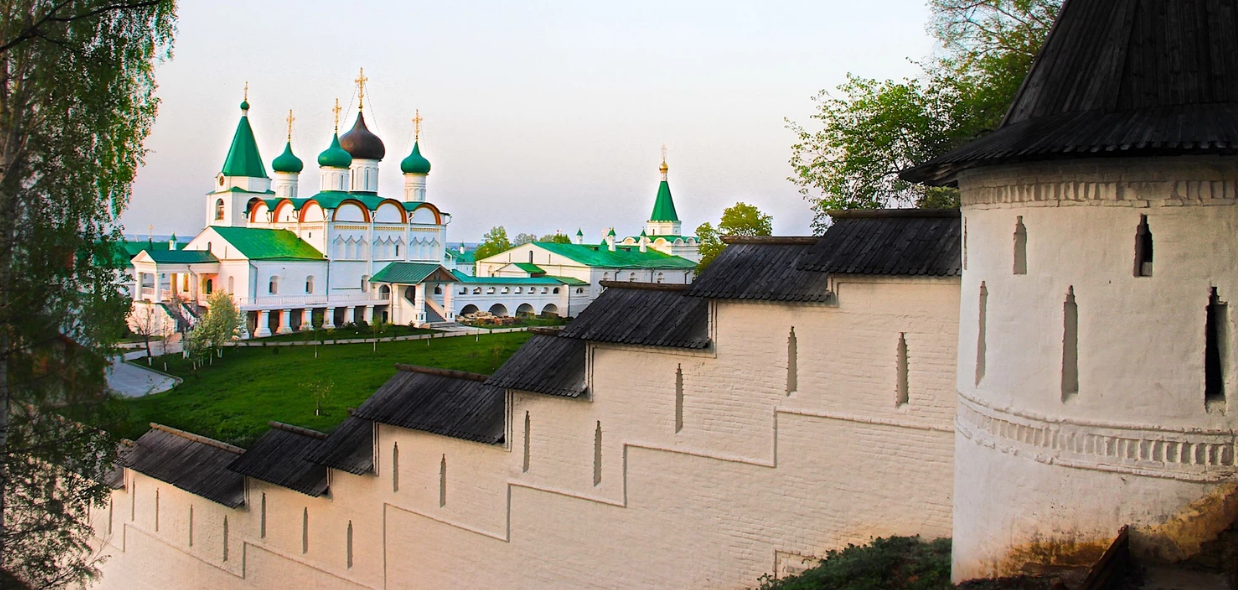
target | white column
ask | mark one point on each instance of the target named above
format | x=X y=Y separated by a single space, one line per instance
x=158 y=296
x=307 y=319
x=348 y=315
x=367 y=313
x=285 y=322
x=137 y=286
x=264 y=319
x=419 y=304
x=328 y=318
x=449 y=290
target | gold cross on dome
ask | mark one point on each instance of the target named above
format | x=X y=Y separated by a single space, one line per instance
x=361 y=80
x=150 y=232
x=664 y=153
x=290 y=119
x=245 y=97
x=417 y=125
x=336 y=110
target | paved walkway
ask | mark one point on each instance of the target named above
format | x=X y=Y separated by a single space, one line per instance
x=132 y=381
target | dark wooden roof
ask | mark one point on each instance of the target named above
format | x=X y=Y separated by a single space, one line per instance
x=645 y=314
x=279 y=457
x=350 y=447
x=450 y=403
x=762 y=269
x=1118 y=77
x=547 y=363
x=114 y=477
x=190 y=462
x=913 y=242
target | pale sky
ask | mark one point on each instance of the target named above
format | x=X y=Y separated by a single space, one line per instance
x=539 y=115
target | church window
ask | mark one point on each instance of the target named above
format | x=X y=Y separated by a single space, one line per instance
x=605 y=276
x=545 y=290
x=305 y=531
x=525 y=468
x=225 y=538
x=556 y=291
x=365 y=283
x=793 y=379
x=597 y=454
x=678 y=398
x=506 y=290
x=384 y=292
x=1143 y=248
x=902 y=392
x=579 y=291
x=490 y=291
x=1216 y=351
x=348 y=544
x=231 y=284
x=477 y=290
x=1020 y=247
x=632 y=278
x=442 y=482
x=981 y=322
x=519 y=290
x=262 y=518
x=209 y=286
x=309 y=284
x=397 y=250
x=395 y=467
x=273 y=286
x=1070 y=346
x=219 y=209
x=660 y=277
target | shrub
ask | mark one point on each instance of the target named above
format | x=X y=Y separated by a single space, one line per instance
x=891 y=563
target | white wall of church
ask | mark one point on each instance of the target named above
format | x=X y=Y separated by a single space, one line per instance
x=732 y=462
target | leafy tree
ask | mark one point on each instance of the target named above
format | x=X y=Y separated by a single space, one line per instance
x=741 y=219
x=222 y=322
x=556 y=238
x=76 y=101
x=493 y=242
x=522 y=239
x=870 y=129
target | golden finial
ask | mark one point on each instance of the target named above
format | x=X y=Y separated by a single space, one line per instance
x=246 y=95
x=664 y=167
x=336 y=110
x=361 y=80
x=417 y=126
x=290 y=119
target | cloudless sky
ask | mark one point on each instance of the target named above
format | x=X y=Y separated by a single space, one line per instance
x=539 y=115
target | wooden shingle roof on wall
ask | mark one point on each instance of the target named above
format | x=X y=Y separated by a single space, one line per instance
x=279 y=457
x=449 y=403
x=644 y=314
x=905 y=242
x=190 y=462
x=1118 y=77
x=762 y=269
x=350 y=447
x=547 y=364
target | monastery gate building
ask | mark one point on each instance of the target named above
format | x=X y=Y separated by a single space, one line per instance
x=1028 y=375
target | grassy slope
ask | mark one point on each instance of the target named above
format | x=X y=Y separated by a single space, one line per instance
x=233 y=399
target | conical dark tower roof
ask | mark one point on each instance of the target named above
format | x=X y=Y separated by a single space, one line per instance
x=1118 y=78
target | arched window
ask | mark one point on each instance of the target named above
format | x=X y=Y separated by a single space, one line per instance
x=232 y=284
x=384 y=291
x=273 y=286
x=660 y=277
x=477 y=290
x=605 y=276
x=438 y=289
x=309 y=284
x=556 y=291
x=365 y=283
x=464 y=290
x=490 y=291
x=519 y=290
x=545 y=290
x=219 y=209
x=397 y=250
x=209 y=286
x=632 y=278
x=507 y=290
x=579 y=291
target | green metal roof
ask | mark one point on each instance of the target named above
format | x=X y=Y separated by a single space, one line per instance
x=664 y=206
x=335 y=156
x=546 y=280
x=287 y=161
x=268 y=244
x=406 y=273
x=415 y=163
x=530 y=268
x=469 y=256
x=622 y=257
x=243 y=157
x=182 y=256
x=237 y=189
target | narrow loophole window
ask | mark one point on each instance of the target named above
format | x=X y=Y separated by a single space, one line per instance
x=111 y=505
x=525 y=467
x=262 y=518
x=442 y=482
x=225 y=538
x=597 y=454
x=678 y=398
x=1020 y=247
x=1143 y=248
x=792 y=363
x=191 y=525
x=156 y=510
x=1216 y=351
x=305 y=530
x=395 y=467
x=981 y=321
x=964 y=243
x=1070 y=346
x=902 y=395
x=348 y=543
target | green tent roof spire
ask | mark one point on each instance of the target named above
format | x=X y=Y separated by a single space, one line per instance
x=663 y=205
x=243 y=157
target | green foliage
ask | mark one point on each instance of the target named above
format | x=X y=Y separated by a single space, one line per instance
x=522 y=239
x=556 y=238
x=77 y=100
x=870 y=129
x=233 y=401
x=892 y=563
x=493 y=242
x=741 y=219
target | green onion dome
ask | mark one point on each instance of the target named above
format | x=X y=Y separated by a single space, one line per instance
x=244 y=105
x=361 y=143
x=335 y=156
x=415 y=163
x=287 y=161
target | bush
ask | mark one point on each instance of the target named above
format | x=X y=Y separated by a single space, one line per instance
x=892 y=563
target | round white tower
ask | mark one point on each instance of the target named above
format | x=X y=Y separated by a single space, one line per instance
x=287 y=167
x=1096 y=374
x=415 y=167
x=334 y=162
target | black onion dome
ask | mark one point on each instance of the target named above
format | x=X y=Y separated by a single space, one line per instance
x=361 y=143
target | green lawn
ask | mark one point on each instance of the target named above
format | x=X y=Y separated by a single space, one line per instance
x=233 y=399
x=344 y=334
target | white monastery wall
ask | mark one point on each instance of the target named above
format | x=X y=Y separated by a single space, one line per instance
x=1059 y=472
x=707 y=486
